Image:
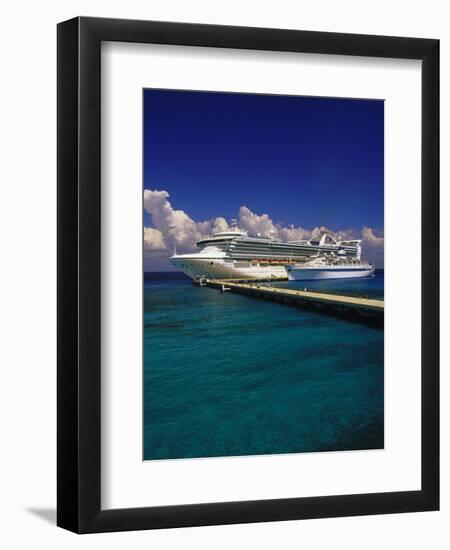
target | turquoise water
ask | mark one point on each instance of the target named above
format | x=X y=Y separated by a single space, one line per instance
x=228 y=375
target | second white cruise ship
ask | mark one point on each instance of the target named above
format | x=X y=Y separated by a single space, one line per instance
x=233 y=254
x=329 y=267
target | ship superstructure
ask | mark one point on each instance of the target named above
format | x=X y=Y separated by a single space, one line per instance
x=233 y=254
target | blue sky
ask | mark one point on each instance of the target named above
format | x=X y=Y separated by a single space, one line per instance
x=305 y=161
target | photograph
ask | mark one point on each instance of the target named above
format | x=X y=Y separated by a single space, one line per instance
x=263 y=283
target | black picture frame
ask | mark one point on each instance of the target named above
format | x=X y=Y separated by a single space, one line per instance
x=79 y=281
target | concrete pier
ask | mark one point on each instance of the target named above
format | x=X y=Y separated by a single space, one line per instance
x=366 y=310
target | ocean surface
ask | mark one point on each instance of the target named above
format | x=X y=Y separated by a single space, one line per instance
x=229 y=375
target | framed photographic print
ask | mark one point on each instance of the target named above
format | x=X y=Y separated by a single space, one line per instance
x=247 y=274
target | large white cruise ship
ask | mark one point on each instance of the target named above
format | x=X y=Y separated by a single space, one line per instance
x=233 y=254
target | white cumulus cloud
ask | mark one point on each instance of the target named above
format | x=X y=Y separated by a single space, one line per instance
x=175 y=226
x=255 y=224
x=153 y=239
x=370 y=238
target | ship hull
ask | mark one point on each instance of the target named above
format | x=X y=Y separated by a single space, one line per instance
x=212 y=268
x=308 y=274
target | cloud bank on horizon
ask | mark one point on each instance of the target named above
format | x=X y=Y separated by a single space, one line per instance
x=175 y=228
